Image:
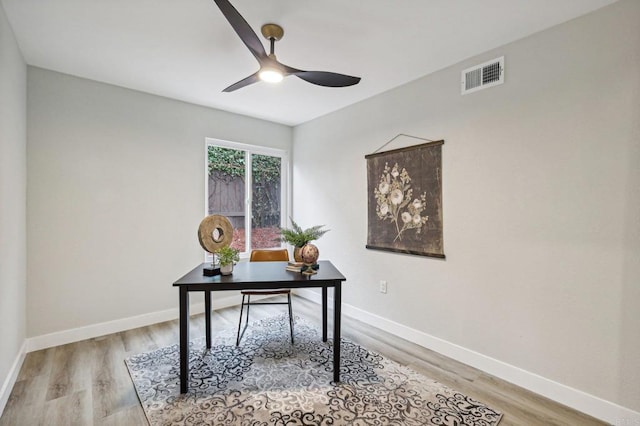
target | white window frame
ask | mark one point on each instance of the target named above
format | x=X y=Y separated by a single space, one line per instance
x=285 y=195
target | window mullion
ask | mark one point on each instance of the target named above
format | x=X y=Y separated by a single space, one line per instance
x=248 y=201
x=285 y=204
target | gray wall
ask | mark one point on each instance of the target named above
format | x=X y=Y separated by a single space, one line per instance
x=541 y=205
x=115 y=196
x=13 y=182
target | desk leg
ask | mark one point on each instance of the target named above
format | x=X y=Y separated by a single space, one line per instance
x=184 y=340
x=337 y=303
x=324 y=314
x=207 y=316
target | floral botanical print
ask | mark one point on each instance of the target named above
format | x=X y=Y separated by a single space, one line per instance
x=404 y=191
x=395 y=203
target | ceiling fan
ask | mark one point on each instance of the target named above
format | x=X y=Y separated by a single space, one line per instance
x=271 y=70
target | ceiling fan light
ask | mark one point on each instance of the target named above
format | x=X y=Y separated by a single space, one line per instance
x=270 y=75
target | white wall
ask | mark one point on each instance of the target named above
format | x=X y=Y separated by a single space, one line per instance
x=13 y=183
x=541 y=206
x=115 y=197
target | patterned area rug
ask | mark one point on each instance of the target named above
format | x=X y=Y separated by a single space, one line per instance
x=267 y=381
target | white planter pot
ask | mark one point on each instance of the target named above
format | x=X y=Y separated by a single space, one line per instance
x=226 y=269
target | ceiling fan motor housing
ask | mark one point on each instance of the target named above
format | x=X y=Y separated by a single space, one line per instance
x=272 y=31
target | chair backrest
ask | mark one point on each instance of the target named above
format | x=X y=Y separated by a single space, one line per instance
x=269 y=255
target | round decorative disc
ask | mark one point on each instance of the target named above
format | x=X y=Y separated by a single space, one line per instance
x=215 y=232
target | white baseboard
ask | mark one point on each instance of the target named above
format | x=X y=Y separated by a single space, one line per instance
x=96 y=330
x=574 y=398
x=7 y=386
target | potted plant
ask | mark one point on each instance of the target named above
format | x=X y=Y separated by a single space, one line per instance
x=298 y=237
x=227 y=257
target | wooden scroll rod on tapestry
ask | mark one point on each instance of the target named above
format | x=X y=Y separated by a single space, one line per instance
x=429 y=142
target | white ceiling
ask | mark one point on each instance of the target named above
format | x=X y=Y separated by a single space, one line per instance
x=186 y=50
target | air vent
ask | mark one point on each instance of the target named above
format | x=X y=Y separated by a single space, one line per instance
x=483 y=76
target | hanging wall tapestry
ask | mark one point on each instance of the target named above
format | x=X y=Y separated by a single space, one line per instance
x=405 y=200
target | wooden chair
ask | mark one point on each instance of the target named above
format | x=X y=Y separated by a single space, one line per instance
x=264 y=256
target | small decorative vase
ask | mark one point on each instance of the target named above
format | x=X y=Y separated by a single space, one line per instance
x=296 y=254
x=226 y=269
x=309 y=254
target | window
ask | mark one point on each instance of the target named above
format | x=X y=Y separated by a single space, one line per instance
x=248 y=184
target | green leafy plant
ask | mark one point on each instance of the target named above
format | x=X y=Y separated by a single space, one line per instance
x=297 y=237
x=227 y=255
x=226 y=162
x=230 y=163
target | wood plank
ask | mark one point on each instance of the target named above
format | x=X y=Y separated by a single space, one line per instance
x=26 y=402
x=74 y=409
x=111 y=388
x=69 y=369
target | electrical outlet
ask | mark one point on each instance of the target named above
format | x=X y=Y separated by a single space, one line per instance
x=383 y=286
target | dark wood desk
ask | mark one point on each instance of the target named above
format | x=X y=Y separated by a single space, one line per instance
x=257 y=276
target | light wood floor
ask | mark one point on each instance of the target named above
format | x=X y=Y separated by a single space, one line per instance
x=87 y=383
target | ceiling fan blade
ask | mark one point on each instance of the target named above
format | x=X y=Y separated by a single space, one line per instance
x=253 y=78
x=243 y=29
x=324 y=78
